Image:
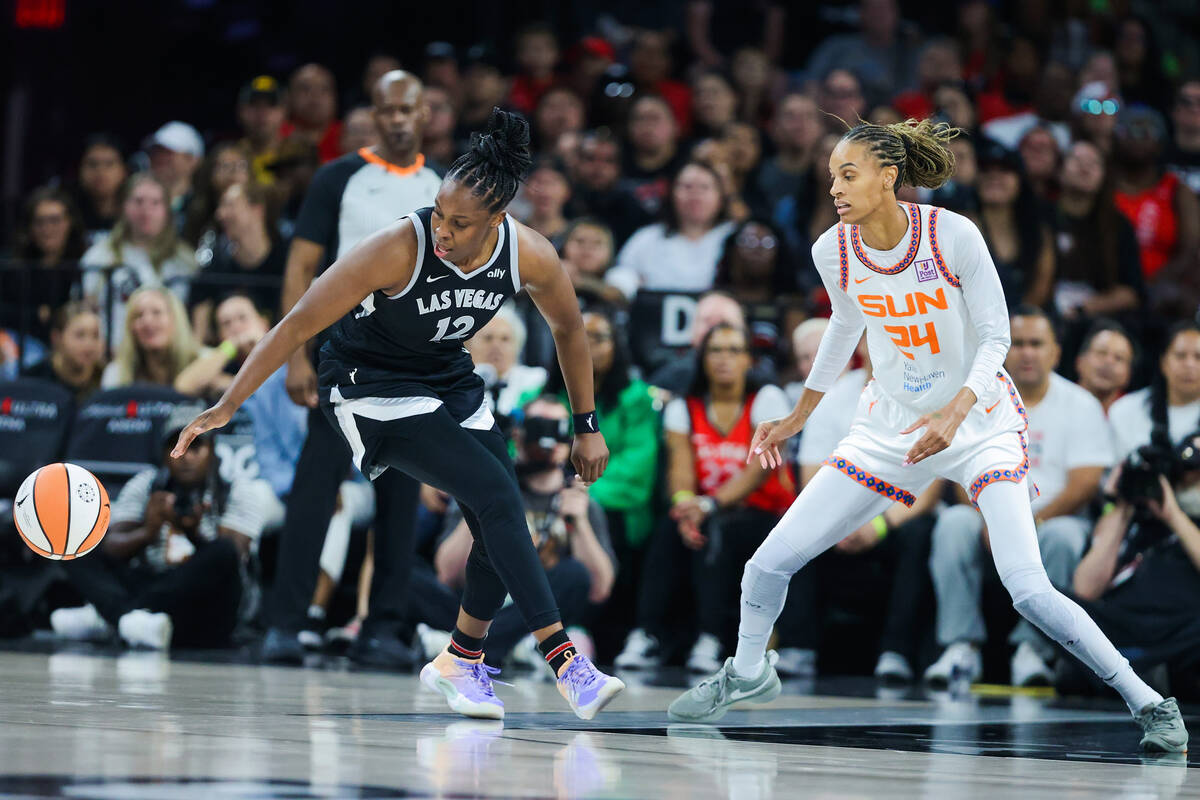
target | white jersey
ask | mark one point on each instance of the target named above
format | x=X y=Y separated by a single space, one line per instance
x=933 y=309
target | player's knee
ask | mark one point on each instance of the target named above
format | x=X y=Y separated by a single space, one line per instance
x=1026 y=582
x=764 y=589
x=1051 y=612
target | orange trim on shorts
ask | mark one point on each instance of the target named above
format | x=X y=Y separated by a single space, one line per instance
x=1013 y=475
x=411 y=169
x=870 y=481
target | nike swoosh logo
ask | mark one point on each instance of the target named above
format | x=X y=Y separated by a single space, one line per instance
x=431 y=279
x=22 y=500
x=862 y=280
x=992 y=406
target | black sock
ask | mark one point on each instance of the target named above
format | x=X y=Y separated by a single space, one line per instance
x=463 y=646
x=557 y=649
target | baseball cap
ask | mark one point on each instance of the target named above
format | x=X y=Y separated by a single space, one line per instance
x=990 y=153
x=264 y=87
x=178 y=137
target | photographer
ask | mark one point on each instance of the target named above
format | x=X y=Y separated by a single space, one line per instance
x=170 y=569
x=1140 y=580
x=568 y=528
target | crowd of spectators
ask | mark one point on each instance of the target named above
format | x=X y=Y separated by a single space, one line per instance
x=682 y=175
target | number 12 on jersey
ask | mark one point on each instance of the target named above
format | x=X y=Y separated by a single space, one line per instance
x=462 y=326
x=909 y=336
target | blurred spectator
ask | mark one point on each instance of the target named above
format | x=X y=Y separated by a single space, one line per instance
x=841 y=99
x=227 y=164
x=783 y=178
x=587 y=253
x=484 y=87
x=959 y=193
x=978 y=33
x=589 y=59
x=1183 y=155
x=594 y=186
x=439 y=145
x=712 y=309
x=1094 y=119
x=714 y=103
x=176 y=150
x=714 y=494
x=883 y=55
x=293 y=167
x=496 y=350
x=806 y=337
x=1069 y=450
x=1163 y=211
x=822 y=214
x=950 y=101
x=537 y=54
x=626 y=491
x=753 y=80
x=650 y=72
x=937 y=65
x=757 y=270
x=378 y=65
x=1052 y=98
x=545 y=193
x=559 y=112
x=1170 y=406
x=568 y=528
x=681 y=252
x=1012 y=91
x=261 y=115
x=169 y=571
x=77 y=351
x=1105 y=362
x=239 y=326
x=1100 y=67
x=653 y=156
x=143 y=250
x=440 y=69
x=46 y=272
x=718 y=28
x=156 y=344
x=1139 y=64
x=1042 y=159
x=896 y=544
x=1012 y=223
x=358 y=131
x=1099 y=269
x=312 y=110
x=102 y=172
x=742 y=145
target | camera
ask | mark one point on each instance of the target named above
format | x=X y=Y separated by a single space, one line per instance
x=546 y=432
x=1141 y=469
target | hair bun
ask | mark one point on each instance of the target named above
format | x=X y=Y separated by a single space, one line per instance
x=505 y=143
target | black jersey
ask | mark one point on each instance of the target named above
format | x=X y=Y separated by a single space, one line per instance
x=411 y=343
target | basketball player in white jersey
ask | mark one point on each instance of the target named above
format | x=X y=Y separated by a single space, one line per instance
x=920 y=281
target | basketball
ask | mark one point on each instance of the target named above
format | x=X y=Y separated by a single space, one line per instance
x=61 y=511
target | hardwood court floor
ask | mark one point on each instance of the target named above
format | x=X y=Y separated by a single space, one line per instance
x=138 y=726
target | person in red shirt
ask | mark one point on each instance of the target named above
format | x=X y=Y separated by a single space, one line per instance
x=1164 y=213
x=650 y=72
x=939 y=63
x=537 y=58
x=312 y=110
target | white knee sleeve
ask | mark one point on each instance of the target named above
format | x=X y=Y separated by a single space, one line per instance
x=764 y=590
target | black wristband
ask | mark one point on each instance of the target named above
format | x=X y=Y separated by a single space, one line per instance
x=587 y=422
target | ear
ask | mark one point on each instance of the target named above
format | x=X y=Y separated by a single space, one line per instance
x=497 y=218
x=890 y=174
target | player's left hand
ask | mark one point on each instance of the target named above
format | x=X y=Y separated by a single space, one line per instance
x=940 y=427
x=589 y=454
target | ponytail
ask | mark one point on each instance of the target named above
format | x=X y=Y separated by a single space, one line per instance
x=497 y=160
x=917 y=148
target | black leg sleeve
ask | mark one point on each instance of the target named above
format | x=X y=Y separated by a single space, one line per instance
x=324 y=461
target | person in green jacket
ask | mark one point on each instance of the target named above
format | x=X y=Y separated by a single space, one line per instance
x=630 y=418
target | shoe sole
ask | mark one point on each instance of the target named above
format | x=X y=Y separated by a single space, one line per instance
x=769 y=692
x=432 y=679
x=613 y=688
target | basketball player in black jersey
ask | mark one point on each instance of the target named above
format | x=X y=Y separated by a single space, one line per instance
x=398 y=384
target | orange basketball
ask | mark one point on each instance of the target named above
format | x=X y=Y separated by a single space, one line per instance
x=61 y=511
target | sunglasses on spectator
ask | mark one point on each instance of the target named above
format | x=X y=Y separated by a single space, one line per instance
x=1096 y=108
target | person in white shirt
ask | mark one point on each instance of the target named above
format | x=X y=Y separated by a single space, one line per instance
x=1069 y=449
x=681 y=253
x=920 y=282
x=1133 y=416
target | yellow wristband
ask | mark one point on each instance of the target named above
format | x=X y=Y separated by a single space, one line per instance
x=881 y=526
x=681 y=495
x=228 y=349
x=1108 y=508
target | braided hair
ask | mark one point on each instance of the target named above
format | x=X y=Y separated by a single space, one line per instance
x=497 y=160
x=917 y=148
x=1160 y=431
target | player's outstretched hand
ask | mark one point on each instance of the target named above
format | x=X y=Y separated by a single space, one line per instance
x=589 y=454
x=213 y=418
x=767 y=438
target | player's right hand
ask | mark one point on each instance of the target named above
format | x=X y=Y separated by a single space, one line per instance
x=216 y=417
x=767 y=438
x=301 y=382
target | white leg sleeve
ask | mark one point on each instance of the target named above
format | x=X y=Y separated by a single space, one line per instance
x=1005 y=508
x=831 y=507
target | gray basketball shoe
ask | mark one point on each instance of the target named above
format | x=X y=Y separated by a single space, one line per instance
x=708 y=701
